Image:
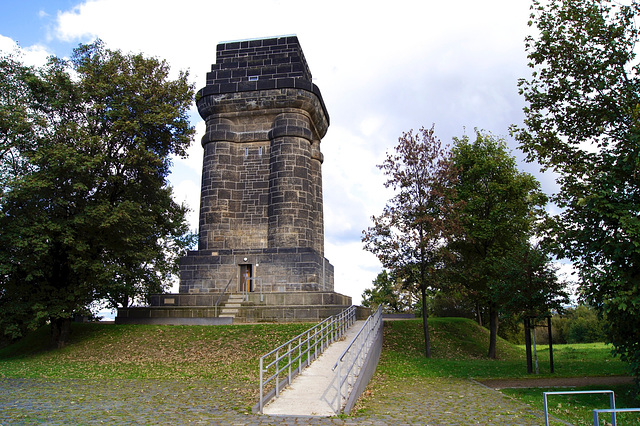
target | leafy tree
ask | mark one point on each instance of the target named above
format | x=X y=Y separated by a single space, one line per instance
x=86 y=212
x=387 y=292
x=582 y=122
x=530 y=285
x=410 y=235
x=501 y=207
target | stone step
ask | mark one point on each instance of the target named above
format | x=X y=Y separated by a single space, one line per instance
x=230 y=308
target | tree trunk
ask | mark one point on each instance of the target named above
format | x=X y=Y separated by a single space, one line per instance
x=425 y=325
x=479 y=314
x=493 y=331
x=60 y=331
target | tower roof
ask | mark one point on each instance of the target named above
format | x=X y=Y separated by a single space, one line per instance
x=260 y=64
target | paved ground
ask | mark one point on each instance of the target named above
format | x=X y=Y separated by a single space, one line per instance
x=154 y=402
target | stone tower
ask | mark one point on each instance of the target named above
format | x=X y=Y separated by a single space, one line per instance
x=261 y=215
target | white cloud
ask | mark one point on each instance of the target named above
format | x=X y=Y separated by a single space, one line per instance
x=188 y=192
x=382 y=70
x=31 y=55
x=355 y=269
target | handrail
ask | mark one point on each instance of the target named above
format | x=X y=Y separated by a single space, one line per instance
x=301 y=350
x=613 y=411
x=344 y=353
x=612 y=402
x=222 y=294
x=348 y=377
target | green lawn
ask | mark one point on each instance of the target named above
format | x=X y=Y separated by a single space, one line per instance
x=579 y=359
x=148 y=352
x=578 y=409
x=459 y=347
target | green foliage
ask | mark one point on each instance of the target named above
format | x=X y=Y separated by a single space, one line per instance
x=575 y=325
x=388 y=293
x=86 y=212
x=452 y=303
x=501 y=206
x=529 y=285
x=582 y=122
x=578 y=325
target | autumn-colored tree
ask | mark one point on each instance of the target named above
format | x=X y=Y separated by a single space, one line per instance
x=410 y=236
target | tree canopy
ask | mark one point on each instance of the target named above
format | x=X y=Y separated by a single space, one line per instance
x=582 y=122
x=86 y=212
x=502 y=204
x=389 y=293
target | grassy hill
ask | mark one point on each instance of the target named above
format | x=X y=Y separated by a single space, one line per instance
x=459 y=348
x=96 y=350
x=228 y=355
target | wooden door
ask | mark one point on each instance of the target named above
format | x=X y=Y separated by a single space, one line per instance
x=246 y=283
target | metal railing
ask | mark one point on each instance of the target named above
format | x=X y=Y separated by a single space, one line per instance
x=220 y=296
x=612 y=402
x=252 y=284
x=356 y=365
x=281 y=365
x=613 y=411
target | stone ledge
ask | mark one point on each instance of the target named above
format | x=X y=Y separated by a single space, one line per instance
x=246 y=314
x=175 y=321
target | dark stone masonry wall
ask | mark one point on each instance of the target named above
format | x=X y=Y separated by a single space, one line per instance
x=269 y=59
x=261 y=201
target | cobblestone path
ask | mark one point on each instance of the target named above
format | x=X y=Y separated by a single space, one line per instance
x=156 y=402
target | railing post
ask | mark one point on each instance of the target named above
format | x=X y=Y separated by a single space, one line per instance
x=277 y=373
x=261 y=384
x=612 y=403
x=299 y=355
x=289 y=362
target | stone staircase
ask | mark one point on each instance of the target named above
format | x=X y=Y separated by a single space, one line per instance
x=230 y=309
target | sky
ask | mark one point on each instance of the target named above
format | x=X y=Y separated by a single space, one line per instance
x=383 y=68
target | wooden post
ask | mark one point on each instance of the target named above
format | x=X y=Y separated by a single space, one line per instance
x=527 y=342
x=550 y=345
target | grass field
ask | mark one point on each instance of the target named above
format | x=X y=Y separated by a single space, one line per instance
x=578 y=409
x=459 y=348
x=147 y=352
x=230 y=354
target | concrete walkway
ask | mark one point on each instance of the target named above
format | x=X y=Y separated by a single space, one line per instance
x=304 y=397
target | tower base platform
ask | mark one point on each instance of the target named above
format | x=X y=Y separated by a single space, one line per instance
x=215 y=309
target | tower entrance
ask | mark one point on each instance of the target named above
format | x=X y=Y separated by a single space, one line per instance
x=246 y=279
